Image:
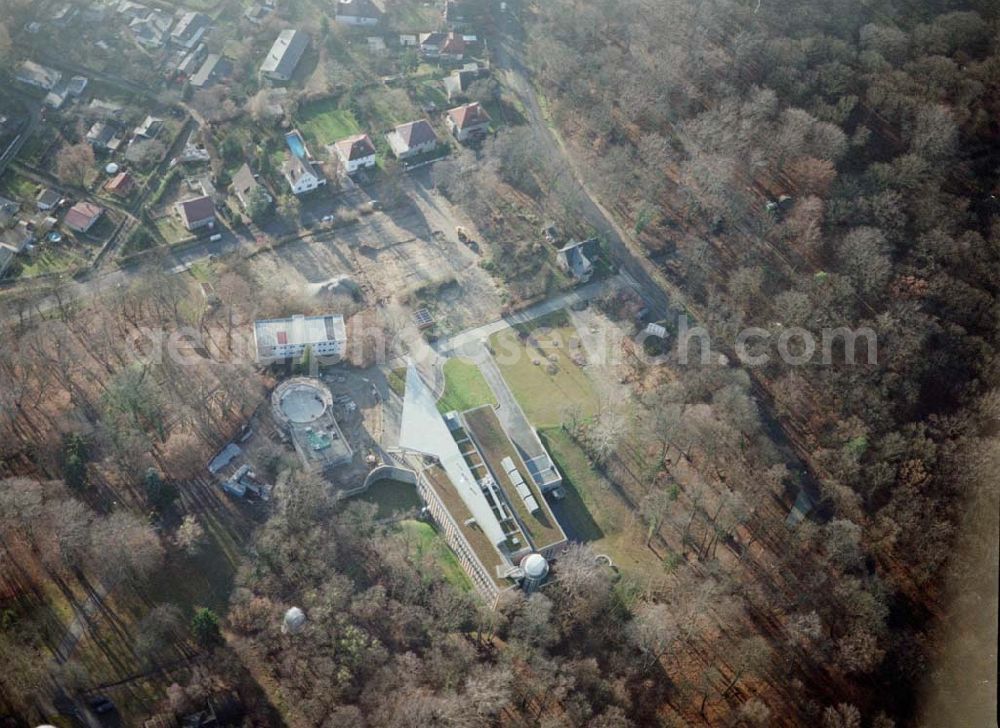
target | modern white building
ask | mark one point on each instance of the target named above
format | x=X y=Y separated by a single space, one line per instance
x=279 y=339
x=479 y=490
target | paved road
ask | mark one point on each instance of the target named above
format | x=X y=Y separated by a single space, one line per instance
x=655 y=288
x=34 y=109
x=82 y=614
x=508 y=61
x=468 y=342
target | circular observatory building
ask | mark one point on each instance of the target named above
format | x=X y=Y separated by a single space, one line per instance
x=535 y=569
x=304 y=407
x=293 y=622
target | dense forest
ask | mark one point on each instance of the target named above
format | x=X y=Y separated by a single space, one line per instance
x=879 y=122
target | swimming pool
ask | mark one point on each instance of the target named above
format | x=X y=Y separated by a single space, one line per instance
x=295 y=143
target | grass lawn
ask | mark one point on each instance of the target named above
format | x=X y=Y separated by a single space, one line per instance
x=593 y=512
x=464 y=387
x=202 y=272
x=386 y=107
x=415 y=15
x=430 y=547
x=323 y=122
x=430 y=92
x=53 y=259
x=392 y=497
x=494 y=444
x=14 y=186
x=171 y=229
x=525 y=361
x=397 y=381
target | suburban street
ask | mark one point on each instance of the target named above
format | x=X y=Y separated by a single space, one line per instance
x=472 y=339
x=509 y=62
x=34 y=111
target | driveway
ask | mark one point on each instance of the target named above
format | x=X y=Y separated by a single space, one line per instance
x=469 y=342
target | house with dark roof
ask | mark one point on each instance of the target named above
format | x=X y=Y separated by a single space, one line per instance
x=13 y=241
x=301 y=175
x=48 y=199
x=6 y=258
x=83 y=216
x=443 y=46
x=576 y=259
x=215 y=68
x=17 y=238
x=8 y=208
x=130 y=10
x=284 y=56
x=356 y=152
x=77 y=85
x=409 y=140
x=196 y=213
x=469 y=121
x=357 y=13
x=192 y=60
x=245 y=185
x=151 y=31
x=149 y=128
x=104 y=135
x=257 y=14
x=459 y=81
x=190 y=29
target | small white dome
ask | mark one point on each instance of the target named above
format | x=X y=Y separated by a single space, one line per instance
x=112 y=168
x=293 y=621
x=535 y=566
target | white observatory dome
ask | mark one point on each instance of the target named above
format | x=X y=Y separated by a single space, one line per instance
x=293 y=621
x=535 y=567
x=112 y=168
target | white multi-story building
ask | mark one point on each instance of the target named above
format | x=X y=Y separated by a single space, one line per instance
x=278 y=339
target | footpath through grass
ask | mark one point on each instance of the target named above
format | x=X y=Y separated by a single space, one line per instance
x=593 y=511
x=537 y=360
x=465 y=387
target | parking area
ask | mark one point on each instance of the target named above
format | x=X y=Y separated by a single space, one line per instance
x=410 y=254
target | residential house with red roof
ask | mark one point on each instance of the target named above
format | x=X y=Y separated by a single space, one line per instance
x=443 y=46
x=121 y=185
x=356 y=152
x=468 y=121
x=83 y=216
x=409 y=140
